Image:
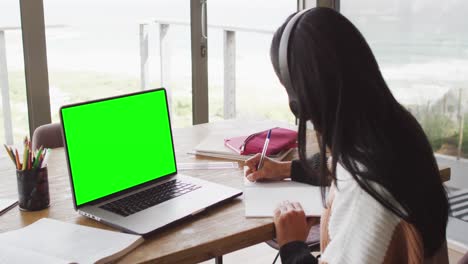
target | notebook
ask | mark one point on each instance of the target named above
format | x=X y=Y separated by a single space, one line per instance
x=262 y=198
x=51 y=241
x=235 y=143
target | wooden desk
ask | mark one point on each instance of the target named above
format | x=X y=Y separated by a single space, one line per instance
x=215 y=232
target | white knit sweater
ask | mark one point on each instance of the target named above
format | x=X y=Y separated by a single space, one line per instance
x=360 y=228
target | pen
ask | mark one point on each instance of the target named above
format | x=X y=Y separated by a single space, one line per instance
x=265 y=147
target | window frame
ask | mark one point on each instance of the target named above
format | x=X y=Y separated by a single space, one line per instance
x=35 y=63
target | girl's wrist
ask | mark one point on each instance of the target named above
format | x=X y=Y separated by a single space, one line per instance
x=285 y=169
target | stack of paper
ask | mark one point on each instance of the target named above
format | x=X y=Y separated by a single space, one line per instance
x=213 y=146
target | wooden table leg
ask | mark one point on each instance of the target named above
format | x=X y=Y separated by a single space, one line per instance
x=219 y=260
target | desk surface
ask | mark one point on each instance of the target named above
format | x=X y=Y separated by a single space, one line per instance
x=215 y=232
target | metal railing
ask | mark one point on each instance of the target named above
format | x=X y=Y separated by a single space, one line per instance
x=229 y=50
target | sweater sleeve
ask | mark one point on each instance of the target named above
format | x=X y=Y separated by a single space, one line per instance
x=296 y=252
x=299 y=174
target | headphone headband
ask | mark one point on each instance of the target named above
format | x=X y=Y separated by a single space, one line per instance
x=283 y=49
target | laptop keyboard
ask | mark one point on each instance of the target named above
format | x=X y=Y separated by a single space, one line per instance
x=149 y=197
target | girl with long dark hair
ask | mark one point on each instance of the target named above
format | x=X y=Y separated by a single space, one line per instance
x=386 y=202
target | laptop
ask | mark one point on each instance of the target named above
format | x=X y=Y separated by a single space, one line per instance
x=122 y=164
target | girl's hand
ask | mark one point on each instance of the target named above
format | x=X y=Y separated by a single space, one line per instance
x=291 y=223
x=271 y=170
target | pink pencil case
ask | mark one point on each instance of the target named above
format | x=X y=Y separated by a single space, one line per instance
x=280 y=139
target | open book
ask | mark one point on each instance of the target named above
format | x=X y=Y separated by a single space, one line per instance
x=51 y=241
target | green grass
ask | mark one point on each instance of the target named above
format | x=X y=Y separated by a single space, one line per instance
x=442 y=131
x=72 y=87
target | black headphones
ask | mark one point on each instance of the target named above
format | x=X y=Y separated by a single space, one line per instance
x=283 y=60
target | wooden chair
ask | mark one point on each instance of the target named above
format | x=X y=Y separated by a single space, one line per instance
x=48 y=136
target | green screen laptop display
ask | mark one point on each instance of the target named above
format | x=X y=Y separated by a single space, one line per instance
x=117 y=143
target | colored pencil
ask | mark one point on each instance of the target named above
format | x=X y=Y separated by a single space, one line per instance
x=9 y=153
x=18 y=163
x=31 y=159
x=38 y=158
x=25 y=157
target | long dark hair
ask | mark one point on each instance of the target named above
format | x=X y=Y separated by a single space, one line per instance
x=340 y=89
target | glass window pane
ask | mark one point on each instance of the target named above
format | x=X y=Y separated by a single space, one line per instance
x=97 y=52
x=421 y=47
x=258 y=93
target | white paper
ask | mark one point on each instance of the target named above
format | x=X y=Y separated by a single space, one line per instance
x=16 y=255
x=234 y=156
x=262 y=198
x=207 y=165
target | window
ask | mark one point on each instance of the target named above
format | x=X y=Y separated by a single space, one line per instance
x=14 y=114
x=421 y=47
x=239 y=36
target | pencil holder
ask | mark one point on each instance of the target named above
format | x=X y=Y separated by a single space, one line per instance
x=33 y=189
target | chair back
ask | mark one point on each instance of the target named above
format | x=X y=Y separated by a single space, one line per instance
x=48 y=136
x=464 y=259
